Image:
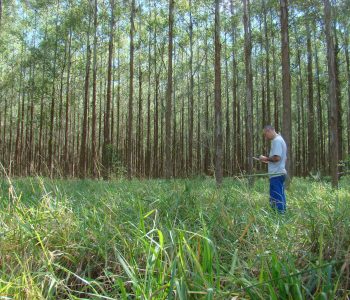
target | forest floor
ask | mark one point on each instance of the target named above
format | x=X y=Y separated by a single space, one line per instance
x=172 y=239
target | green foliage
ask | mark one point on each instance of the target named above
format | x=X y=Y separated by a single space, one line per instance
x=182 y=239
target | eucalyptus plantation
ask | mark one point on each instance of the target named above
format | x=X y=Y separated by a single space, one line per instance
x=70 y=105
x=128 y=132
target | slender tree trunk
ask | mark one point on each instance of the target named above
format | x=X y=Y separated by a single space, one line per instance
x=320 y=141
x=333 y=121
x=249 y=89
x=218 y=113
x=207 y=138
x=18 y=131
x=155 y=107
x=338 y=96
x=131 y=89
x=311 y=117
x=22 y=145
x=299 y=148
x=276 y=99
x=286 y=86
x=106 y=152
x=31 y=130
x=94 y=155
x=227 y=157
x=119 y=151
x=83 y=150
x=199 y=140
x=168 y=140
x=267 y=67
x=235 y=102
x=346 y=49
x=191 y=100
x=60 y=114
x=174 y=142
x=148 y=163
x=53 y=100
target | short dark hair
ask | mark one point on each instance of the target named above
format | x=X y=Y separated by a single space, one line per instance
x=269 y=127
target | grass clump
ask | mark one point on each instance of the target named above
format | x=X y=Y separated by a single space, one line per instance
x=179 y=239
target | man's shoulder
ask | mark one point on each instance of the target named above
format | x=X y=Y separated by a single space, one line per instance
x=279 y=138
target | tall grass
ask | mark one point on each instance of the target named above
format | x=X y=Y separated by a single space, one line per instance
x=180 y=239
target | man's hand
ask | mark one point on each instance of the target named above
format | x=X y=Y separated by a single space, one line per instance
x=263 y=159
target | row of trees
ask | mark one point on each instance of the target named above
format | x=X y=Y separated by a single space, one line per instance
x=171 y=88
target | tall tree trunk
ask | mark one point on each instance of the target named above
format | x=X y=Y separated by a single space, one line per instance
x=94 y=155
x=218 y=113
x=286 y=86
x=131 y=90
x=148 y=163
x=320 y=136
x=168 y=140
x=22 y=145
x=155 y=107
x=18 y=131
x=235 y=102
x=190 y=103
x=338 y=96
x=199 y=140
x=174 y=142
x=267 y=67
x=276 y=98
x=346 y=49
x=249 y=89
x=207 y=138
x=60 y=114
x=299 y=144
x=333 y=120
x=106 y=151
x=31 y=130
x=311 y=117
x=83 y=156
x=227 y=156
x=53 y=100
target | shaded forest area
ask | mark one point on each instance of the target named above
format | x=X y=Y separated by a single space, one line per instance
x=146 y=88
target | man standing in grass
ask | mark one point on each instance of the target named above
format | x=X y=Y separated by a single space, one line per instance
x=276 y=168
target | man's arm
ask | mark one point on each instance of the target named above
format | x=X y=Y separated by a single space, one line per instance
x=274 y=158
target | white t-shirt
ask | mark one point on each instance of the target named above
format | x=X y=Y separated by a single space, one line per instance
x=278 y=147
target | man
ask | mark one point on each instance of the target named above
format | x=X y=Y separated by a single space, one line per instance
x=276 y=168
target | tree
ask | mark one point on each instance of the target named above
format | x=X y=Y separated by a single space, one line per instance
x=286 y=85
x=218 y=112
x=131 y=87
x=106 y=151
x=311 y=116
x=333 y=121
x=168 y=140
x=83 y=156
x=249 y=88
x=94 y=95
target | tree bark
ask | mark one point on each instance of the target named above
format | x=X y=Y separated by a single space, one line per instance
x=131 y=89
x=249 y=89
x=286 y=86
x=106 y=152
x=311 y=117
x=333 y=120
x=218 y=112
x=168 y=139
x=83 y=156
x=94 y=155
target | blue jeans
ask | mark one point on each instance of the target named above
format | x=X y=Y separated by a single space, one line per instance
x=277 y=195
